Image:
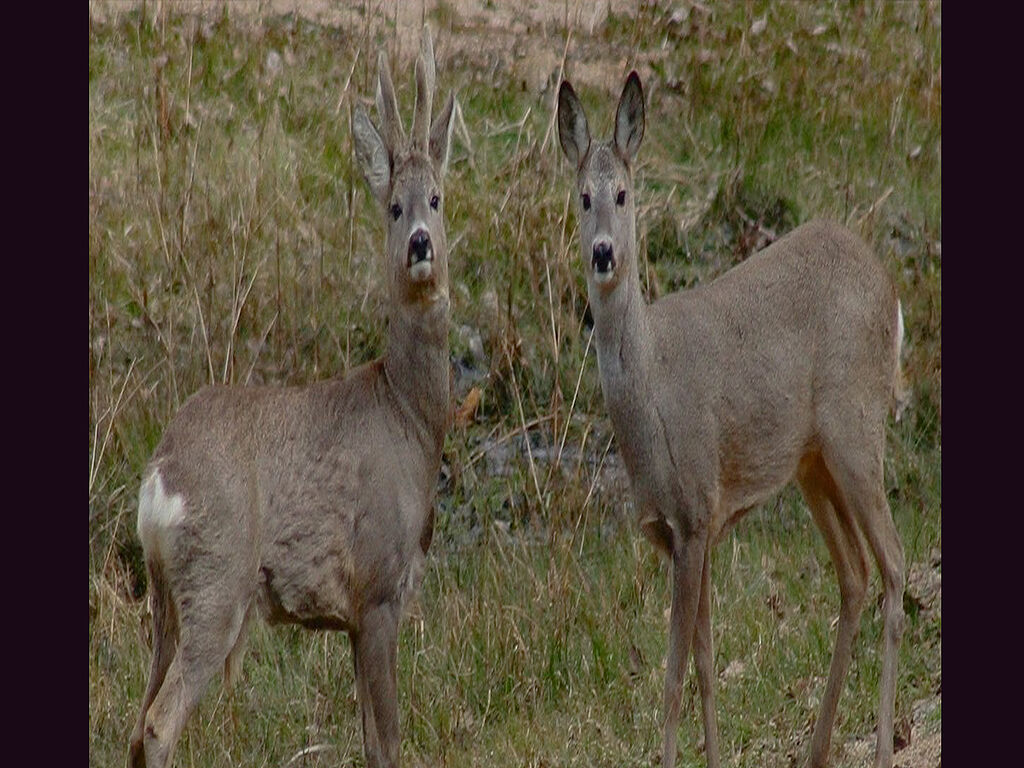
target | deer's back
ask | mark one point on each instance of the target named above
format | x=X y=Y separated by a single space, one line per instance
x=753 y=366
x=811 y=311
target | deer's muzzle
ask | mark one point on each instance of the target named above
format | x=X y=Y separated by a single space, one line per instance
x=603 y=260
x=421 y=255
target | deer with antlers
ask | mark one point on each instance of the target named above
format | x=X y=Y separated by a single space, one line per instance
x=787 y=366
x=312 y=504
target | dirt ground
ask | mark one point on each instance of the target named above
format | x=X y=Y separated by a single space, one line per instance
x=526 y=38
x=407 y=15
x=523 y=37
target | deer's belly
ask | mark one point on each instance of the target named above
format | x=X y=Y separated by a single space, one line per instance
x=317 y=600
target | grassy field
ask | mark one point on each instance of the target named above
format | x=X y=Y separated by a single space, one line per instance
x=231 y=238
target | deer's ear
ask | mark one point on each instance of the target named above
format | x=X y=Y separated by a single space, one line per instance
x=573 y=132
x=372 y=154
x=441 y=136
x=629 y=119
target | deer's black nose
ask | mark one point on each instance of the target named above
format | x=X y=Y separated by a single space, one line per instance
x=604 y=259
x=419 y=247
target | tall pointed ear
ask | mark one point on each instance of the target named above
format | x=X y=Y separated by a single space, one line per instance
x=373 y=156
x=387 y=107
x=441 y=136
x=629 y=119
x=573 y=132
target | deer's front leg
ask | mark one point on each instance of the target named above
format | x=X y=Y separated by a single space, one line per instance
x=687 y=567
x=703 y=659
x=376 y=649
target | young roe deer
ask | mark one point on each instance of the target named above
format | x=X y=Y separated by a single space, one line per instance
x=312 y=504
x=784 y=367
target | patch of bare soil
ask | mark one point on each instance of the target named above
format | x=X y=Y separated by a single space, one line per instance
x=526 y=39
x=924 y=749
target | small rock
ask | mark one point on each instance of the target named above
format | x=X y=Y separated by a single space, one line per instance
x=735 y=670
x=471 y=338
x=274 y=65
x=679 y=15
x=925 y=585
x=492 y=310
x=901 y=734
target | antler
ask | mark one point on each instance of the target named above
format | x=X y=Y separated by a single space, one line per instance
x=387 y=106
x=424 y=92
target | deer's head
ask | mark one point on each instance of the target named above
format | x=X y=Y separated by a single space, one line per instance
x=604 y=182
x=405 y=176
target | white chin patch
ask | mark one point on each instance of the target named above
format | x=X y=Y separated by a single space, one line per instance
x=421 y=270
x=602 y=278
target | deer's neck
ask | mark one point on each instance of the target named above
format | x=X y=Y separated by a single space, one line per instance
x=416 y=367
x=622 y=335
x=625 y=353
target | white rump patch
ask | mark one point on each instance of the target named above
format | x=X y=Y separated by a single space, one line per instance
x=421 y=270
x=902 y=395
x=159 y=514
x=899 y=328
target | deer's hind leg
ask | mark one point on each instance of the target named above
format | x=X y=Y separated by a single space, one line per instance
x=165 y=641
x=703 y=660
x=859 y=477
x=846 y=547
x=211 y=597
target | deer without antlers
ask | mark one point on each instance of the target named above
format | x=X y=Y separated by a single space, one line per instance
x=784 y=367
x=312 y=504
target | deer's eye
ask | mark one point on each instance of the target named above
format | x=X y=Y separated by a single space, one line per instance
x=396 y=211
x=586 y=202
x=434 y=202
x=620 y=200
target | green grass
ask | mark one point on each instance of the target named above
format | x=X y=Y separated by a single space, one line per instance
x=232 y=239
